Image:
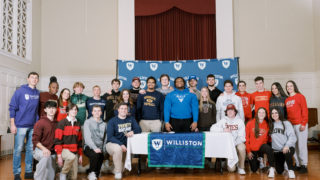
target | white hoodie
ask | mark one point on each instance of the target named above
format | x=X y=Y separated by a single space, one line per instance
x=224 y=100
x=236 y=126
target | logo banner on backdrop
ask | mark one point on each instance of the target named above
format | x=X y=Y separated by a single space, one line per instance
x=223 y=69
x=182 y=150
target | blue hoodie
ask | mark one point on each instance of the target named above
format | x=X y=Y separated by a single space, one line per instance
x=181 y=104
x=24 y=106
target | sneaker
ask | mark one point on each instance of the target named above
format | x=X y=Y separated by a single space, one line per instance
x=291 y=174
x=241 y=171
x=92 y=176
x=271 y=172
x=106 y=168
x=118 y=176
x=303 y=169
x=28 y=175
x=261 y=164
x=297 y=168
x=63 y=176
x=17 y=177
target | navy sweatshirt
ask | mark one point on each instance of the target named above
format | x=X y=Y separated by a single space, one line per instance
x=24 y=106
x=150 y=106
x=117 y=128
x=91 y=102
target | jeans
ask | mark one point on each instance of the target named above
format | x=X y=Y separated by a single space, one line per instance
x=19 y=137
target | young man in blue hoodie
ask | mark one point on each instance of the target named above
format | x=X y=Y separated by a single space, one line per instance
x=23 y=110
x=181 y=109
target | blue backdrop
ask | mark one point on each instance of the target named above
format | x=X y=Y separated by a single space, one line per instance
x=223 y=69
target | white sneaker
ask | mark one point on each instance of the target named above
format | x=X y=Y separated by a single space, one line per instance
x=118 y=176
x=106 y=168
x=261 y=164
x=241 y=171
x=63 y=176
x=92 y=176
x=291 y=174
x=271 y=172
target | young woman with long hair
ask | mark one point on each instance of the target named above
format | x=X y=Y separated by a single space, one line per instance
x=63 y=102
x=278 y=98
x=207 y=111
x=125 y=97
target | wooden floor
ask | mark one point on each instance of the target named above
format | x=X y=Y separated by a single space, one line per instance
x=181 y=174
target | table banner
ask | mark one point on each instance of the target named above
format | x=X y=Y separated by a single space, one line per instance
x=180 y=150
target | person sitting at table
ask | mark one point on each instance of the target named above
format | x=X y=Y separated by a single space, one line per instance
x=181 y=109
x=256 y=141
x=235 y=125
x=119 y=128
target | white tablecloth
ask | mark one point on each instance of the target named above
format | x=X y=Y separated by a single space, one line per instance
x=218 y=145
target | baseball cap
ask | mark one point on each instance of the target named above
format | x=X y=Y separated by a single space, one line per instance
x=230 y=107
x=136 y=78
x=192 y=77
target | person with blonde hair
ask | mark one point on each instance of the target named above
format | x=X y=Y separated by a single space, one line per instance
x=207 y=111
x=80 y=100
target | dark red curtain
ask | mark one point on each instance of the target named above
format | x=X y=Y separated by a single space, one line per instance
x=175 y=35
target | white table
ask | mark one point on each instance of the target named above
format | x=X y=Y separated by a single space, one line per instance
x=218 y=145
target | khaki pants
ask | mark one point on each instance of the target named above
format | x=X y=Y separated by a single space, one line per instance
x=117 y=155
x=241 y=151
x=150 y=125
x=70 y=163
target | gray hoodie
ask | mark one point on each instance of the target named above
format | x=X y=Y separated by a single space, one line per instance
x=283 y=137
x=94 y=133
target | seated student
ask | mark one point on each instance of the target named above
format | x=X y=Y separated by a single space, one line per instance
x=256 y=141
x=283 y=141
x=207 y=111
x=233 y=124
x=68 y=143
x=94 y=131
x=119 y=128
x=42 y=138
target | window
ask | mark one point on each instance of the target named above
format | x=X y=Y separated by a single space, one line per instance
x=15 y=29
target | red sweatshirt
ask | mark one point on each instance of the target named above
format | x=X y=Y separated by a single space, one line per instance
x=246 y=103
x=68 y=137
x=62 y=111
x=261 y=99
x=297 y=109
x=253 y=143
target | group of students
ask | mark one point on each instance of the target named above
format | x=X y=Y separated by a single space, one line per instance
x=105 y=122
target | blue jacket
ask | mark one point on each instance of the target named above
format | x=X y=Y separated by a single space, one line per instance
x=181 y=104
x=24 y=106
x=117 y=128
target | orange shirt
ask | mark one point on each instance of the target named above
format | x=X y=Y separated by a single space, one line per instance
x=246 y=103
x=261 y=99
x=62 y=111
x=253 y=143
x=297 y=109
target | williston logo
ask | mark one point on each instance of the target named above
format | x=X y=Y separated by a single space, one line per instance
x=130 y=66
x=157 y=144
x=153 y=66
x=226 y=64
x=177 y=66
x=202 y=65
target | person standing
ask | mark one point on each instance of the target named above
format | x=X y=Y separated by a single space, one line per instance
x=298 y=116
x=43 y=140
x=193 y=81
x=261 y=97
x=79 y=99
x=150 y=108
x=207 y=111
x=246 y=100
x=213 y=90
x=165 y=85
x=23 y=110
x=63 y=102
x=50 y=95
x=228 y=97
x=94 y=131
x=111 y=97
x=96 y=100
x=181 y=109
x=278 y=98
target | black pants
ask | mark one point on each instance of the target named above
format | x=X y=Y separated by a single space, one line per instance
x=201 y=129
x=264 y=149
x=181 y=125
x=280 y=158
x=96 y=160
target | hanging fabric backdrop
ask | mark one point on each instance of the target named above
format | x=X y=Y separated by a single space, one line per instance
x=223 y=69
